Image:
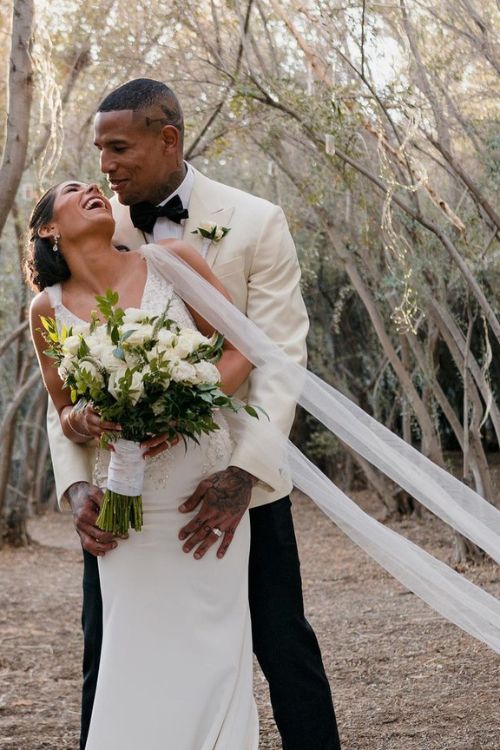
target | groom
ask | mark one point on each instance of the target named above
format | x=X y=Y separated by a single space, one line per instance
x=139 y=133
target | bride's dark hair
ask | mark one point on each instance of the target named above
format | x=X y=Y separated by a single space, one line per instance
x=43 y=267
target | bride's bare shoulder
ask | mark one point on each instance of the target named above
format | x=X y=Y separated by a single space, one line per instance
x=40 y=307
x=40 y=304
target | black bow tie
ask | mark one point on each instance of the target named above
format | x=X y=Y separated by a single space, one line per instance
x=144 y=214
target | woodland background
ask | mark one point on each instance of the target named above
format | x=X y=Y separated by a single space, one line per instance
x=375 y=126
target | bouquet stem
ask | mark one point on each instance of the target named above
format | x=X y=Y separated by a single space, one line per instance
x=121 y=507
x=120 y=512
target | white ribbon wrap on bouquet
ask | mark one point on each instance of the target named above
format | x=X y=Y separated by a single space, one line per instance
x=462 y=602
x=126 y=468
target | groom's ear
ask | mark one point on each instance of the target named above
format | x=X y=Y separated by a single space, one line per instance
x=170 y=137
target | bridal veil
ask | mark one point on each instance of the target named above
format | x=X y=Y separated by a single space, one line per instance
x=448 y=592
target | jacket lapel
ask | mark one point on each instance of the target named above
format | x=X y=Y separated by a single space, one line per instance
x=205 y=206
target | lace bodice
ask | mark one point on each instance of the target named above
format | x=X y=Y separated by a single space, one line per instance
x=157 y=293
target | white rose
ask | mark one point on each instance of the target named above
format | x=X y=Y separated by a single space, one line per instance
x=97 y=350
x=208 y=226
x=196 y=338
x=136 y=387
x=168 y=355
x=207 y=373
x=134 y=315
x=66 y=366
x=153 y=353
x=109 y=361
x=163 y=356
x=185 y=345
x=113 y=384
x=173 y=362
x=81 y=330
x=71 y=344
x=212 y=229
x=132 y=359
x=165 y=337
x=91 y=369
x=98 y=342
x=99 y=334
x=157 y=408
x=183 y=372
x=140 y=334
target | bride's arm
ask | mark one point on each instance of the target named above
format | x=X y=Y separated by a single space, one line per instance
x=81 y=426
x=233 y=366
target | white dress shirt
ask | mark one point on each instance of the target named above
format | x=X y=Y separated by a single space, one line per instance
x=165 y=228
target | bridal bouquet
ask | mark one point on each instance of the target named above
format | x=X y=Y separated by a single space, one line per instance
x=147 y=374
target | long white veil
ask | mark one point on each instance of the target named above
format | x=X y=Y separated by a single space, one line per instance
x=449 y=593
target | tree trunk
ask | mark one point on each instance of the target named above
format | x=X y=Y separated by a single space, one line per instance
x=33 y=433
x=18 y=107
x=7 y=432
x=16 y=333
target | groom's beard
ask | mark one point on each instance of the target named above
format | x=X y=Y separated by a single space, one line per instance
x=153 y=193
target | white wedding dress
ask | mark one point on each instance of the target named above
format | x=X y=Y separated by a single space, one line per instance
x=176 y=660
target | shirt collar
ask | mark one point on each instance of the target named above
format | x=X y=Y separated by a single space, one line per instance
x=185 y=188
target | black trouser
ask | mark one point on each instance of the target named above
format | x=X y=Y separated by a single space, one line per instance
x=92 y=639
x=283 y=640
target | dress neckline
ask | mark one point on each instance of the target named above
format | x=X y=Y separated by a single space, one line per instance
x=86 y=322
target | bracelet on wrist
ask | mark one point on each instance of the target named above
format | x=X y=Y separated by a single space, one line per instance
x=73 y=429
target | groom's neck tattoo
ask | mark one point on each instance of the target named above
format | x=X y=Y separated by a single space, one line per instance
x=174 y=180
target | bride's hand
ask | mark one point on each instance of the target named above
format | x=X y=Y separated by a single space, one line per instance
x=88 y=421
x=158 y=444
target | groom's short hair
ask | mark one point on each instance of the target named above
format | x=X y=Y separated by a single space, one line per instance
x=142 y=94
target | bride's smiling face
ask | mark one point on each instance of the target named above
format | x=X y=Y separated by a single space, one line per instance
x=79 y=209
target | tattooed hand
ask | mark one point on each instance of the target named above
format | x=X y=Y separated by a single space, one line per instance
x=85 y=500
x=224 y=497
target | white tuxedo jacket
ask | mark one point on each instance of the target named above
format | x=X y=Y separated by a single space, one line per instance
x=257 y=264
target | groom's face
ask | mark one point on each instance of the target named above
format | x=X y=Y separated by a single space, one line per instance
x=138 y=160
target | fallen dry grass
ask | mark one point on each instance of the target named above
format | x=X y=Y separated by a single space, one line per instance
x=402 y=678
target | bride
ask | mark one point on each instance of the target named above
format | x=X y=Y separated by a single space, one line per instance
x=176 y=661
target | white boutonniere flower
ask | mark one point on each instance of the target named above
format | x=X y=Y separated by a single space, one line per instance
x=210 y=231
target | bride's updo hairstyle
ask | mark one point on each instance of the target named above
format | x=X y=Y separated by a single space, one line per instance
x=44 y=267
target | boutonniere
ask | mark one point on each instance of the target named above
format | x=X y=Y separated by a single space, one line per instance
x=211 y=231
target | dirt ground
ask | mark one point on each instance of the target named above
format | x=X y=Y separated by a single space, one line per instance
x=402 y=678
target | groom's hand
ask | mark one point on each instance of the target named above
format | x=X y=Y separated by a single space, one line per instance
x=224 y=498
x=85 y=500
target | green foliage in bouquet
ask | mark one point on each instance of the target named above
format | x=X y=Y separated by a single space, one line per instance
x=141 y=374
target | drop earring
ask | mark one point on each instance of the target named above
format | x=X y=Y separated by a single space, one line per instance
x=55 y=246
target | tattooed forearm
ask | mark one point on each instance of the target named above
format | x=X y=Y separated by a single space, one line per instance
x=230 y=490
